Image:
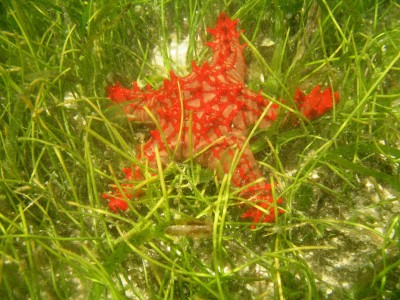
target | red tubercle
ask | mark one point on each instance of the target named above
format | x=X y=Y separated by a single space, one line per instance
x=115 y=204
x=116 y=201
x=133 y=173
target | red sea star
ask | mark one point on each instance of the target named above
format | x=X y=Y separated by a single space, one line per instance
x=210 y=106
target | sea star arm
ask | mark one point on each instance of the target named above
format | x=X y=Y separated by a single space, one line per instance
x=316 y=103
x=245 y=172
x=117 y=200
x=133 y=101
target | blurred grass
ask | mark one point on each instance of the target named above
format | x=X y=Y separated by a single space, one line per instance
x=61 y=145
